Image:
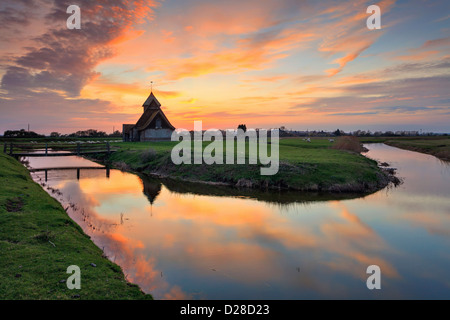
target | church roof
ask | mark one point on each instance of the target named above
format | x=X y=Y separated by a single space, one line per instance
x=127 y=128
x=147 y=117
x=151 y=98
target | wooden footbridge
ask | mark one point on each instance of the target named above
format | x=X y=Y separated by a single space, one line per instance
x=62 y=149
x=78 y=170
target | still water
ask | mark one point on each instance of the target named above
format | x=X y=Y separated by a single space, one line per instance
x=182 y=241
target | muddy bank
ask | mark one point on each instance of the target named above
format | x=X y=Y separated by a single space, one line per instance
x=385 y=177
x=440 y=151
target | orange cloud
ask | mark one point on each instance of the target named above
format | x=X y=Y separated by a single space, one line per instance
x=250 y=54
x=418 y=56
x=424 y=52
x=442 y=42
x=349 y=35
x=266 y=79
x=344 y=60
x=357 y=79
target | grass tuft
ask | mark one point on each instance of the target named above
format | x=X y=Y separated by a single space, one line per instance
x=348 y=143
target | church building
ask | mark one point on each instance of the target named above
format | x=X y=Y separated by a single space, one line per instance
x=153 y=125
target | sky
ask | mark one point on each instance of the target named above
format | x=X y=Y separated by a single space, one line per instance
x=304 y=65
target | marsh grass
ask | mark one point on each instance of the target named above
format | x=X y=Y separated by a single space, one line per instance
x=311 y=166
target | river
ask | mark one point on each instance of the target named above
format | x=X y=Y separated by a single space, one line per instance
x=182 y=241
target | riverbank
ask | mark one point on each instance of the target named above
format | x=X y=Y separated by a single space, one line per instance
x=304 y=166
x=435 y=146
x=38 y=241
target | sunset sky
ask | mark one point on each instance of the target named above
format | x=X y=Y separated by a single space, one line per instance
x=266 y=63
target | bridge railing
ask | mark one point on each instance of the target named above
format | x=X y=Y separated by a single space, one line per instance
x=48 y=148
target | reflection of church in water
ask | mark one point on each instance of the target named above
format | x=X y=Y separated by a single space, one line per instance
x=152 y=188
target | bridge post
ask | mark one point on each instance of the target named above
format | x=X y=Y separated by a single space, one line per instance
x=78 y=149
x=10 y=149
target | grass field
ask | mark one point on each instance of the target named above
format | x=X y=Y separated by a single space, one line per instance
x=311 y=166
x=436 y=146
x=38 y=241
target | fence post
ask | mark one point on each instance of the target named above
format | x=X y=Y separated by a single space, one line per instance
x=46 y=149
x=10 y=149
x=107 y=147
x=5 y=147
x=78 y=148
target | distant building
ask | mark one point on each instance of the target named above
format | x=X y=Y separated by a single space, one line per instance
x=153 y=125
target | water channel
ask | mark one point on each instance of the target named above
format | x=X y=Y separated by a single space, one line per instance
x=186 y=241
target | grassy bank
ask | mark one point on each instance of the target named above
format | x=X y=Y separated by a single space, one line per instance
x=436 y=146
x=307 y=166
x=38 y=241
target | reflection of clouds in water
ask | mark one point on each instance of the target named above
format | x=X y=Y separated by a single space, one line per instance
x=127 y=253
x=431 y=213
x=244 y=245
x=355 y=243
x=424 y=200
x=423 y=175
x=176 y=294
x=437 y=223
x=248 y=242
x=84 y=211
x=83 y=199
x=139 y=268
x=88 y=195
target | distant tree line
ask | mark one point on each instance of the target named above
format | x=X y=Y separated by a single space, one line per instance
x=21 y=134
x=357 y=133
x=90 y=133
